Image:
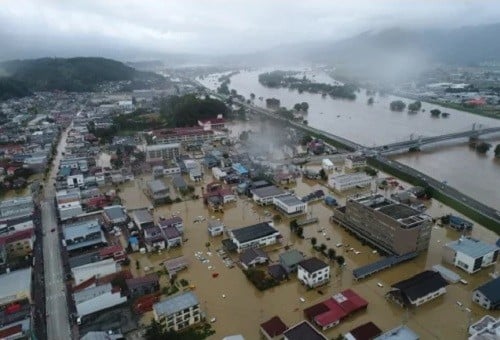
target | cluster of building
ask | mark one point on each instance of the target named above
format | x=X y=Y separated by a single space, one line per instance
x=19 y=228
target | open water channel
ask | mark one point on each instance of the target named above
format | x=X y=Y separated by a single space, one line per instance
x=371 y=125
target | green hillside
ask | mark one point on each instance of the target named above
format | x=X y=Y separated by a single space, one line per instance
x=73 y=74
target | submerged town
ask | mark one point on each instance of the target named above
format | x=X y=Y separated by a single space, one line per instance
x=174 y=211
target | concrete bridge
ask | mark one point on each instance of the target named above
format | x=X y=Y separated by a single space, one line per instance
x=405 y=145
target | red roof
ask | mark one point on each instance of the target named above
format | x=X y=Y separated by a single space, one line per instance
x=315 y=310
x=274 y=326
x=353 y=303
x=335 y=313
x=336 y=308
x=110 y=251
x=85 y=284
x=11 y=331
x=16 y=236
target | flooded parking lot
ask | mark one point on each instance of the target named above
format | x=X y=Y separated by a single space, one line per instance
x=239 y=307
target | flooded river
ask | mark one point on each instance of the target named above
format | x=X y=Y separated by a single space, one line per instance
x=244 y=307
x=375 y=124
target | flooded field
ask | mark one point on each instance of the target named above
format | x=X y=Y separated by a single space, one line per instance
x=244 y=307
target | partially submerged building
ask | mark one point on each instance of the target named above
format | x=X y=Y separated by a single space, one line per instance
x=418 y=289
x=389 y=226
x=470 y=254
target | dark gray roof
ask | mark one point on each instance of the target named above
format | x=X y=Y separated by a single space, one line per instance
x=303 y=331
x=312 y=264
x=253 y=232
x=114 y=212
x=251 y=254
x=491 y=290
x=143 y=216
x=178 y=181
x=277 y=272
x=421 y=284
x=80 y=260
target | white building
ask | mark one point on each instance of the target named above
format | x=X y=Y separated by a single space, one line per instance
x=349 y=181
x=162 y=151
x=485 y=328
x=290 y=205
x=68 y=204
x=313 y=272
x=218 y=173
x=254 y=236
x=215 y=227
x=75 y=181
x=97 y=298
x=355 y=162
x=327 y=165
x=488 y=294
x=265 y=195
x=178 y=312
x=97 y=269
x=470 y=254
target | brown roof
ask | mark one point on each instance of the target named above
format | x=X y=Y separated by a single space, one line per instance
x=142 y=280
x=366 y=331
x=10 y=331
x=274 y=326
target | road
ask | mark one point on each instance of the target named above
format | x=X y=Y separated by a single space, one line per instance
x=436 y=139
x=445 y=189
x=57 y=318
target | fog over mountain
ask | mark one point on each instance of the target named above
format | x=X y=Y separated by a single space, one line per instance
x=386 y=40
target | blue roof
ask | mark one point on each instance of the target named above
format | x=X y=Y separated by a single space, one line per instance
x=380 y=265
x=472 y=247
x=240 y=168
x=459 y=221
x=133 y=240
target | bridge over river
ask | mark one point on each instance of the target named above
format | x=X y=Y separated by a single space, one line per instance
x=474 y=209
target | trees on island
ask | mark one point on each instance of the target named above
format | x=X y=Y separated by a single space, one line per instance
x=397 y=105
x=415 y=106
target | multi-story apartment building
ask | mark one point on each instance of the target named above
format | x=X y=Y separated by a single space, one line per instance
x=385 y=224
x=178 y=312
x=162 y=151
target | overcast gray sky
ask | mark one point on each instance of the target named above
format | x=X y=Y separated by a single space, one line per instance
x=96 y=27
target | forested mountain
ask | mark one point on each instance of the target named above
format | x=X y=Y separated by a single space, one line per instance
x=72 y=74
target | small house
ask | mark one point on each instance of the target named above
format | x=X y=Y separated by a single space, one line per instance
x=215 y=227
x=290 y=259
x=252 y=257
x=313 y=272
x=143 y=285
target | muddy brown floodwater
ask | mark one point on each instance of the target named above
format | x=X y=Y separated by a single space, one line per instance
x=244 y=307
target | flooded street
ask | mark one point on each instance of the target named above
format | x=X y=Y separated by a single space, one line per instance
x=244 y=307
x=455 y=163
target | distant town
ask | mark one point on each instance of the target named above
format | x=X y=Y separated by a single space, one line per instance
x=154 y=207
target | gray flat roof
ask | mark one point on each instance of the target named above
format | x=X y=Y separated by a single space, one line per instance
x=268 y=191
x=114 y=212
x=472 y=247
x=81 y=229
x=91 y=293
x=162 y=146
x=14 y=282
x=143 y=216
x=399 y=333
x=291 y=257
x=399 y=211
x=176 y=304
x=290 y=200
x=157 y=185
